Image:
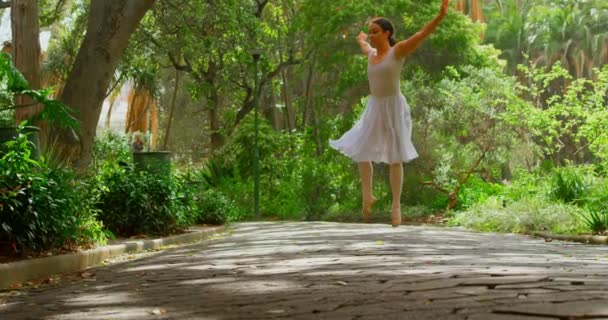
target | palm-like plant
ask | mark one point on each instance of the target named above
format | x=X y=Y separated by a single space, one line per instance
x=572 y=32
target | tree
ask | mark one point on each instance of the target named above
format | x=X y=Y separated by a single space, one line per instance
x=109 y=29
x=462 y=127
x=212 y=49
x=26 y=51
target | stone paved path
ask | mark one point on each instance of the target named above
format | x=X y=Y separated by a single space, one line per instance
x=338 y=271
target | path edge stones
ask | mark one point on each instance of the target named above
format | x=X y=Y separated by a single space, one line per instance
x=587 y=239
x=26 y=270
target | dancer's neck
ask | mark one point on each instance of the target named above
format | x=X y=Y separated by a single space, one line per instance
x=382 y=49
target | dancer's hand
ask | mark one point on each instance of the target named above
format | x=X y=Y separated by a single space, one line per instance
x=362 y=36
x=444 y=7
x=362 y=41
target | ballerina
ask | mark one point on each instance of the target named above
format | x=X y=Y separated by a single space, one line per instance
x=383 y=134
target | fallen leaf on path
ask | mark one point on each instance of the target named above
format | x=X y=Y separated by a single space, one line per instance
x=158 y=312
x=16 y=286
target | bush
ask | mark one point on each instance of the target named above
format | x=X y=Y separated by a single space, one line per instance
x=215 y=208
x=595 y=203
x=477 y=191
x=42 y=207
x=569 y=184
x=136 y=202
x=111 y=147
x=524 y=185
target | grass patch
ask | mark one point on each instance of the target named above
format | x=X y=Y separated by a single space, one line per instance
x=526 y=215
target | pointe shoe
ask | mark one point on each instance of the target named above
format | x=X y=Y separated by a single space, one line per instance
x=396 y=217
x=367 y=207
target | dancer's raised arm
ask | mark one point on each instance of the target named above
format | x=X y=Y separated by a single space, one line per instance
x=362 y=41
x=405 y=47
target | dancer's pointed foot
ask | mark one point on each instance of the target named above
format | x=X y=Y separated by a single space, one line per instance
x=367 y=207
x=396 y=217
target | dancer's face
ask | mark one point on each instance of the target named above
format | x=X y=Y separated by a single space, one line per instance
x=377 y=35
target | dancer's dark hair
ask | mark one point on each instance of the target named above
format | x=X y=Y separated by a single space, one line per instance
x=386 y=25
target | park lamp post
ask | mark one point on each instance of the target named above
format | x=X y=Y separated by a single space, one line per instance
x=255 y=54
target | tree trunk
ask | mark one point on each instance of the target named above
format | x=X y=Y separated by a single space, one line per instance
x=277 y=114
x=109 y=113
x=153 y=124
x=172 y=110
x=289 y=112
x=308 y=101
x=26 y=51
x=316 y=130
x=109 y=28
x=214 y=121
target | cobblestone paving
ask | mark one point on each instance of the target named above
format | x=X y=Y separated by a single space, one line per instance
x=337 y=271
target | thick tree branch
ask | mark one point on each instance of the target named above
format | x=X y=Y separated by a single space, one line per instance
x=248 y=102
x=261 y=6
x=436 y=186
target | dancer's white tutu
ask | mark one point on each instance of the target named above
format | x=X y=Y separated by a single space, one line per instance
x=384 y=131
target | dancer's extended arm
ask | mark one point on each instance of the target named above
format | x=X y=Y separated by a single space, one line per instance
x=405 y=47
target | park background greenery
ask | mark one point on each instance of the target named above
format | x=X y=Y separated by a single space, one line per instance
x=509 y=101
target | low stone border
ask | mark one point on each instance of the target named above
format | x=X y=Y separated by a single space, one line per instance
x=583 y=239
x=25 y=270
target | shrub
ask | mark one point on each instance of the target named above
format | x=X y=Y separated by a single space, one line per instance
x=112 y=147
x=595 y=203
x=42 y=207
x=215 y=208
x=569 y=184
x=136 y=202
x=476 y=191
x=524 y=185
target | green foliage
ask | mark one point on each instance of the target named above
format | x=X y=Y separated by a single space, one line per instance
x=460 y=126
x=50 y=11
x=569 y=184
x=43 y=207
x=296 y=182
x=7 y=118
x=416 y=194
x=328 y=183
x=595 y=203
x=279 y=167
x=526 y=215
x=477 y=191
x=12 y=84
x=65 y=41
x=136 y=202
x=111 y=147
x=330 y=28
x=526 y=184
x=240 y=192
x=572 y=32
x=215 y=208
x=213 y=173
x=596 y=219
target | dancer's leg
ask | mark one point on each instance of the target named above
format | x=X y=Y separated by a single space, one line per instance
x=366 y=172
x=396 y=184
